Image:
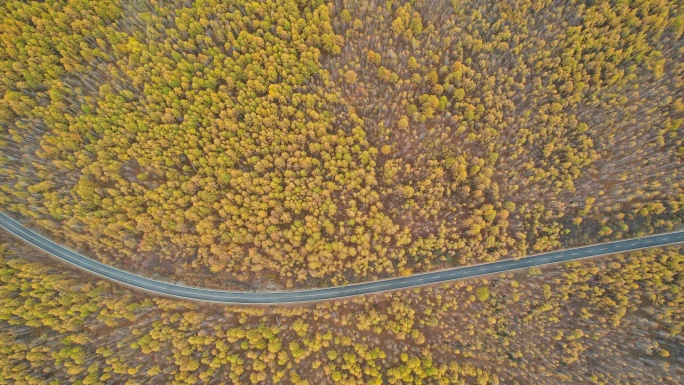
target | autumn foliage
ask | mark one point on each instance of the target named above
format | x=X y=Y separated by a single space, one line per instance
x=288 y=143
x=613 y=320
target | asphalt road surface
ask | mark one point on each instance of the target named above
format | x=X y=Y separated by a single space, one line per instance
x=280 y=297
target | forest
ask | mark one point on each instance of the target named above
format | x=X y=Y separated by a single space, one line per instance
x=617 y=319
x=284 y=143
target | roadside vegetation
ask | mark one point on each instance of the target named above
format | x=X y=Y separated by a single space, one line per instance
x=617 y=319
x=282 y=144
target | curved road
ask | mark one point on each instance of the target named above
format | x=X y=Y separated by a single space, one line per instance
x=279 y=297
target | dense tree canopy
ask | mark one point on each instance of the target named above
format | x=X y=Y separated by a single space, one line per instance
x=286 y=143
x=290 y=143
x=614 y=320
